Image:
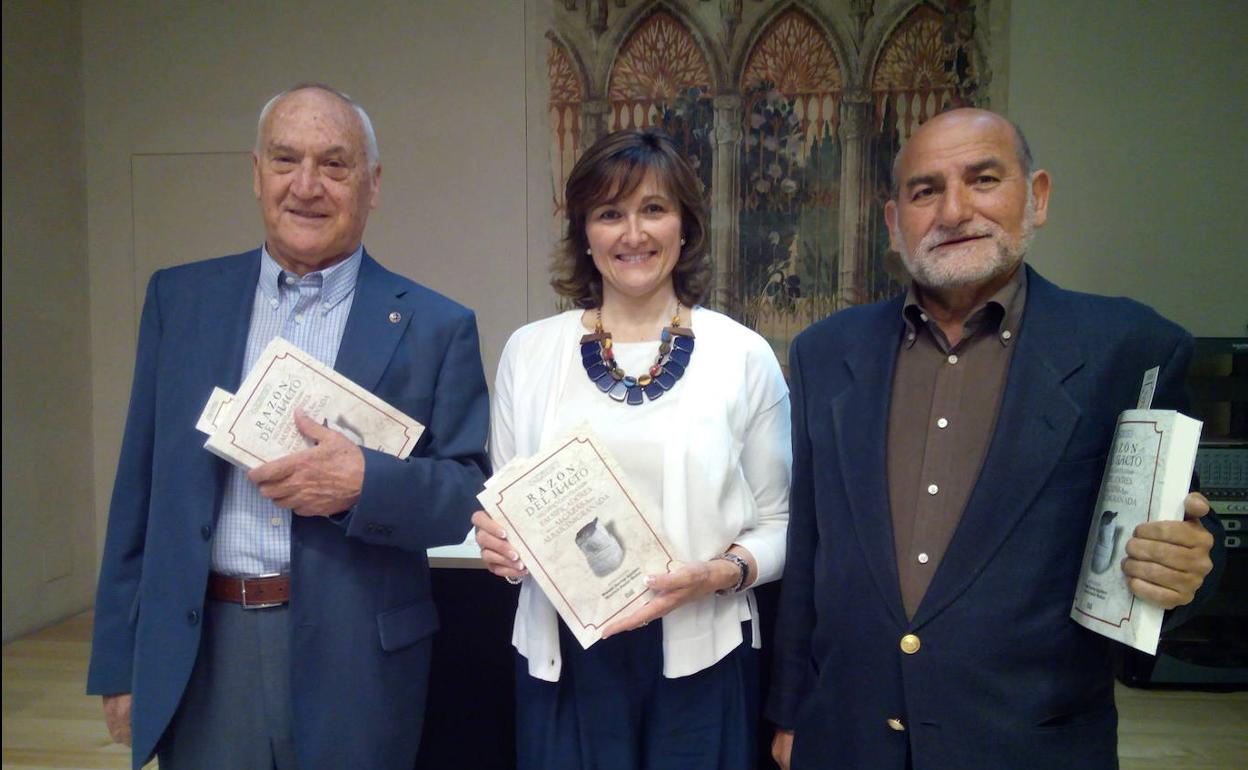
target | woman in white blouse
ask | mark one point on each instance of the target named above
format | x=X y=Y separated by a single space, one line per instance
x=694 y=407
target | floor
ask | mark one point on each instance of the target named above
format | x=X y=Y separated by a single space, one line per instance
x=49 y=723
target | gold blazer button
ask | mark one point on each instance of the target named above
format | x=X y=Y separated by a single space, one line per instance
x=910 y=644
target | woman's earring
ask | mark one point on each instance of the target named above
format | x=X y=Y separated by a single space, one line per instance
x=589 y=251
x=682 y=241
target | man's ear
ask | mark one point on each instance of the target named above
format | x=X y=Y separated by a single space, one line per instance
x=890 y=219
x=374 y=197
x=1041 y=186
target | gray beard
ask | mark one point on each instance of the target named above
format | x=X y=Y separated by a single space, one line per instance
x=952 y=270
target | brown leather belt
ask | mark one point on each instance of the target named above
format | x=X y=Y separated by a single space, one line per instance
x=251 y=592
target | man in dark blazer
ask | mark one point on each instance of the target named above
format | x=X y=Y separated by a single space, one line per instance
x=202 y=655
x=948 y=447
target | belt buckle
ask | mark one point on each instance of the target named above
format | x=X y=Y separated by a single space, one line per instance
x=257 y=605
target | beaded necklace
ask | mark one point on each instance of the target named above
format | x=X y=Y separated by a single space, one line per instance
x=598 y=358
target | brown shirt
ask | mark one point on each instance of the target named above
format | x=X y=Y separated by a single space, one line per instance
x=943 y=411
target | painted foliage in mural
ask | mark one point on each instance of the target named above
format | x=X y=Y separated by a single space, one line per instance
x=791 y=112
x=661 y=79
x=790 y=177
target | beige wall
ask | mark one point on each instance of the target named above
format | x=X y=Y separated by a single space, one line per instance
x=1135 y=108
x=49 y=555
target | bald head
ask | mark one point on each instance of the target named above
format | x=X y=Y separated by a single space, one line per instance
x=966 y=205
x=364 y=124
x=970 y=120
x=314 y=178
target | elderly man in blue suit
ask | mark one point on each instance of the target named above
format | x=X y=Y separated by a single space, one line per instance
x=282 y=617
x=948 y=446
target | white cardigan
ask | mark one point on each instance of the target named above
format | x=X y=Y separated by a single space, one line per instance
x=725 y=481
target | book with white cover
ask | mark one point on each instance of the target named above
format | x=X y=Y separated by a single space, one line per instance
x=257 y=424
x=584 y=537
x=214 y=411
x=1147 y=475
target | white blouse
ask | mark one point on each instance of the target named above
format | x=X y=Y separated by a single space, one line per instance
x=713 y=455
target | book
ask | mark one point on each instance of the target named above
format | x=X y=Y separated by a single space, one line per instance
x=1147 y=475
x=214 y=411
x=584 y=537
x=257 y=424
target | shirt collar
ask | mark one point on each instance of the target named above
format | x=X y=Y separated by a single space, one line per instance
x=999 y=314
x=337 y=281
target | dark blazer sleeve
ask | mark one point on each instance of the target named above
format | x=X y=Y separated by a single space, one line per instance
x=117 y=595
x=428 y=499
x=793 y=675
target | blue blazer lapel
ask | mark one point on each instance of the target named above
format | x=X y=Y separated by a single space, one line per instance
x=215 y=359
x=379 y=315
x=1034 y=425
x=228 y=303
x=861 y=426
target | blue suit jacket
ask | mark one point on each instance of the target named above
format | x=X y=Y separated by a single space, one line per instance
x=361 y=613
x=1003 y=678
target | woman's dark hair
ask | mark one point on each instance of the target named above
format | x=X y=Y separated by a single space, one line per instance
x=610 y=171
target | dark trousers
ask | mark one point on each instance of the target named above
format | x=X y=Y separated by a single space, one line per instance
x=235 y=712
x=612 y=709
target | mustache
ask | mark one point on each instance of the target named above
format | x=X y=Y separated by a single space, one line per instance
x=942 y=235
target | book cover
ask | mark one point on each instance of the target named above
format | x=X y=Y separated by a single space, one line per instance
x=257 y=424
x=583 y=536
x=1147 y=475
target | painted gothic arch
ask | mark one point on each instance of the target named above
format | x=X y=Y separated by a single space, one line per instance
x=566 y=79
x=796 y=233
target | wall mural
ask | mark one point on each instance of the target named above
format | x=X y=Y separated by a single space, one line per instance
x=791 y=112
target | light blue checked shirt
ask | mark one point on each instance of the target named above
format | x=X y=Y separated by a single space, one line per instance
x=253 y=534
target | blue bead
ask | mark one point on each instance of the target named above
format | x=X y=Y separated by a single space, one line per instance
x=630 y=381
x=618 y=391
x=653 y=390
x=590 y=347
x=675 y=368
x=605 y=382
x=665 y=335
x=591 y=359
x=683 y=343
x=596 y=370
x=679 y=356
x=634 y=395
x=666 y=379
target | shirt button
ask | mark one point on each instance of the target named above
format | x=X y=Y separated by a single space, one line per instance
x=205 y=532
x=896 y=724
x=298 y=318
x=276 y=521
x=273 y=303
x=952 y=359
x=192 y=617
x=942 y=423
x=1005 y=335
x=290 y=280
x=932 y=489
x=325 y=305
x=910 y=644
x=922 y=316
x=923 y=558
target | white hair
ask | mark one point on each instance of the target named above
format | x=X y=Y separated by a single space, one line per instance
x=370 y=137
